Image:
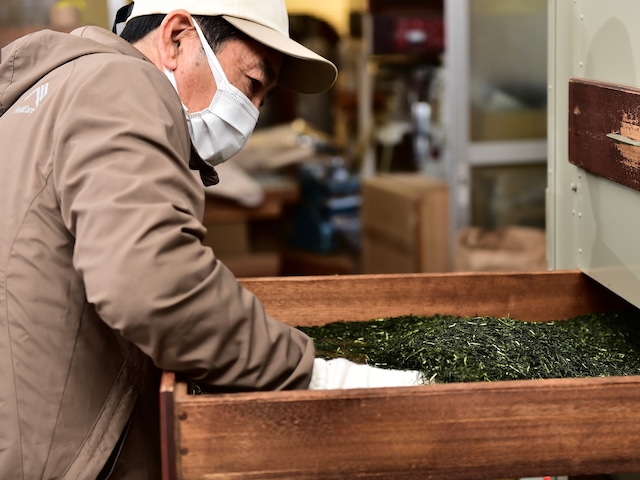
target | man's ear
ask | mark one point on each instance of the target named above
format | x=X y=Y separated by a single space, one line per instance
x=171 y=32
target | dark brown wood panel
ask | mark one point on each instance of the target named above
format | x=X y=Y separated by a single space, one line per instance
x=595 y=110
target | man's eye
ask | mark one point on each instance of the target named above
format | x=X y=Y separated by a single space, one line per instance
x=256 y=86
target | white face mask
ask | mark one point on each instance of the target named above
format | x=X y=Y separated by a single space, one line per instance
x=222 y=129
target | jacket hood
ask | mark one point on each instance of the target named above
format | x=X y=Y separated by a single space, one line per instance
x=26 y=60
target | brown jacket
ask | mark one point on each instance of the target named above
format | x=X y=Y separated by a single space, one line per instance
x=103 y=277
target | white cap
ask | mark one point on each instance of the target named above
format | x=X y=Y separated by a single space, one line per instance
x=267 y=22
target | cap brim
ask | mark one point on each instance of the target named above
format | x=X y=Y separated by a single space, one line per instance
x=303 y=70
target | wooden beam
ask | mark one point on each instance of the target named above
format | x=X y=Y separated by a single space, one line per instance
x=598 y=109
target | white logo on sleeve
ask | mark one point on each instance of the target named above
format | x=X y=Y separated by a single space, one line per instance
x=33 y=99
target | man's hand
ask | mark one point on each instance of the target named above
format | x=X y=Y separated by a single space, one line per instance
x=339 y=373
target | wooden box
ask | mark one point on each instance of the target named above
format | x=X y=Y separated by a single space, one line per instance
x=405 y=224
x=483 y=430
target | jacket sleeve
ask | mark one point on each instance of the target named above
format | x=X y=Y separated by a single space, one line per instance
x=134 y=207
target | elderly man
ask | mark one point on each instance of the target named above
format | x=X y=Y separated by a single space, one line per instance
x=104 y=278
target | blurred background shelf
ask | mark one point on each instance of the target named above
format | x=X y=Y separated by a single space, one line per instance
x=453 y=90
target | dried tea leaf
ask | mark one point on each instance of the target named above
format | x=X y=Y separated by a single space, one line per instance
x=467 y=349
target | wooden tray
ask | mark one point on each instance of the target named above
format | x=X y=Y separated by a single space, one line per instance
x=465 y=431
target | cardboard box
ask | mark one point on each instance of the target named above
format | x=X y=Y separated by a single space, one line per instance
x=509 y=249
x=232 y=245
x=228 y=238
x=405 y=224
x=253 y=264
x=496 y=125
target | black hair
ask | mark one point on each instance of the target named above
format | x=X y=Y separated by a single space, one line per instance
x=216 y=29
